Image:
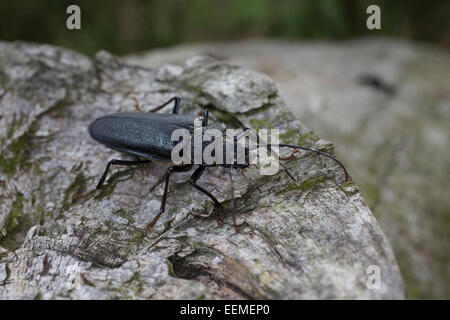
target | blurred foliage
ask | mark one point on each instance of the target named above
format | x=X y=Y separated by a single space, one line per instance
x=125 y=26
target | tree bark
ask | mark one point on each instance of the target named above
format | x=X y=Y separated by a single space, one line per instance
x=312 y=238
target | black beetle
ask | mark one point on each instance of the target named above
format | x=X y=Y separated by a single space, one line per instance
x=148 y=136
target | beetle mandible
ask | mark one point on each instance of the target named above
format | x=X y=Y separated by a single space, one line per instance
x=148 y=136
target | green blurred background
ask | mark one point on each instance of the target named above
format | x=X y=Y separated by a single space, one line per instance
x=122 y=27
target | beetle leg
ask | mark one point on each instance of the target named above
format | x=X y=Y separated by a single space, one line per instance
x=193 y=181
x=105 y=174
x=233 y=201
x=270 y=151
x=205 y=117
x=242 y=172
x=157 y=183
x=120 y=163
x=289 y=157
x=166 y=188
x=175 y=107
x=137 y=105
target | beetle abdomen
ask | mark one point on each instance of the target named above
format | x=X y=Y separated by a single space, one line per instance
x=146 y=135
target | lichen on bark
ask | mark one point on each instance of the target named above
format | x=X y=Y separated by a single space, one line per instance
x=313 y=238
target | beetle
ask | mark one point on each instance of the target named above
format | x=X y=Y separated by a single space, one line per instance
x=148 y=136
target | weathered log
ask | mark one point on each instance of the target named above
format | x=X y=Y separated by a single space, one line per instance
x=395 y=95
x=314 y=238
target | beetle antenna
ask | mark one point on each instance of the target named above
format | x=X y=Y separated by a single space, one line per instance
x=233 y=202
x=317 y=152
x=287 y=171
x=269 y=150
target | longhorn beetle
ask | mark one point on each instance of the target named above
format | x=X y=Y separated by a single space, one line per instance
x=148 y=136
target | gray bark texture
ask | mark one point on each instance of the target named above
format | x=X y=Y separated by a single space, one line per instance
x=391 y=128
x=313 y=238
